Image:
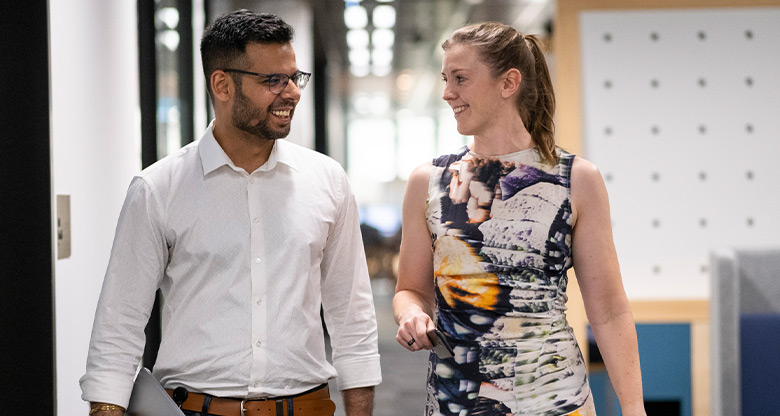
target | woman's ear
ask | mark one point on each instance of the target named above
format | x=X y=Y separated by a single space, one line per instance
x=221 y=85
x=512 y=80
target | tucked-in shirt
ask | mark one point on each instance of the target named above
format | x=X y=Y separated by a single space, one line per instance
x=244 y=262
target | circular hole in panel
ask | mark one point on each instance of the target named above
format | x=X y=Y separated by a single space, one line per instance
x=702 y=129
x=703 y=222
x=655 y=130
x=607 y=37
x=702 y=176
x=607 y=84
x=656 y=223
x=749 y=81
x=749 y=128
x=654 y=83
x=656 y=269
x=749 y=175
x=702 y=82
x=749 y=34
x=654 y=36
x=608 y=177
x=655 y=176
x=702 y=35
x=608 y=131
x=750 y=221
x=704 y=268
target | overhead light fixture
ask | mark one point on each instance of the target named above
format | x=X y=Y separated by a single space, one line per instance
x=355 y=17
x=359 y=70
x=382 y=38
x=359 y=57
x=381 y=56
x=168 y=16
x=405 y=81
x=169 y=38
x=384 y=17
x=381 y=70
x=357 y=38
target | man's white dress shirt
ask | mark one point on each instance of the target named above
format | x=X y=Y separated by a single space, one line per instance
x=244 y=262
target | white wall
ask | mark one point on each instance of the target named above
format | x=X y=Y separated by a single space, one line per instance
x=680 y=110
x=95 y=152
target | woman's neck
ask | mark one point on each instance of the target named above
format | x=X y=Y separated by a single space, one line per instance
x=503 y=141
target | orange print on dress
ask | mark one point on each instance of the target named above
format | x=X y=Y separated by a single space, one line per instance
x=459 y=277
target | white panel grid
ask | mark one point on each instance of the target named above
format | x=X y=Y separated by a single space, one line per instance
x=680 y=114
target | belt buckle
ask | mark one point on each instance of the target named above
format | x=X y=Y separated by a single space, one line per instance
x=243 y=401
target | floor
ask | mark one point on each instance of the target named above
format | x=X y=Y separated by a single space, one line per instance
x=402 y=392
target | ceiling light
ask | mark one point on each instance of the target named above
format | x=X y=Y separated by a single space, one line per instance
x=169 y=16
x=381 y=70
x=357 y=38
x=405 y=81
x=359 y=70
x=380 y=103
x=169 y=38
x=382 y=38
x=359 y=57
x=382 y=56
x=355 y=17
x=384 y=17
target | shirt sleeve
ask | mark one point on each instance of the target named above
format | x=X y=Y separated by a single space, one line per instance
x=347 y=300
x=134 y=273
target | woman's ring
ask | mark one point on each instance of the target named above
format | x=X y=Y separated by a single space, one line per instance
x=410 y=342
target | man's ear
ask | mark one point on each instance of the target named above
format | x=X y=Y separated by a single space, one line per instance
x=511 y=82
x=221 y=85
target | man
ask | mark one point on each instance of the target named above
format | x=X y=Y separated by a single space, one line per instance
x=246 y=236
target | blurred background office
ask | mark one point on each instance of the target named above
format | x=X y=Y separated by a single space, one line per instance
x=675 y=101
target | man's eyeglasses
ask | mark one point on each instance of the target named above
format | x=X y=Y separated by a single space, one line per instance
x=278 y=82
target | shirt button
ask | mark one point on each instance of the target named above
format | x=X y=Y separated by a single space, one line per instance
x=259 y=343
x=258 y=260
x=256 y=220
x=259 y=302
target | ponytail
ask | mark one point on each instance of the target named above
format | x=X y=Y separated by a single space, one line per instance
x=540 y=120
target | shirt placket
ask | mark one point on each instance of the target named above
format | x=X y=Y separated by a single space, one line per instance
x=258 y=275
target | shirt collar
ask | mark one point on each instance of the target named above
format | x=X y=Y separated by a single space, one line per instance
x=212 y=156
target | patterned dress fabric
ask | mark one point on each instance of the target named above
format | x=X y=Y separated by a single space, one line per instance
x=501 y=228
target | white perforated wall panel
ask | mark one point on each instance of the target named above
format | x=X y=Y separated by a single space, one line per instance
x=682 y=116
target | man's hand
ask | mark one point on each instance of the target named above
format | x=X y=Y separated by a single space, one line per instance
x=358 y=402
x=105 y=409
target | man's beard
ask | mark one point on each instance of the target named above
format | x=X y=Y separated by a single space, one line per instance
x=243 y=113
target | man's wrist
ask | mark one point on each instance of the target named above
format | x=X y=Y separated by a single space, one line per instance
x=105 y=409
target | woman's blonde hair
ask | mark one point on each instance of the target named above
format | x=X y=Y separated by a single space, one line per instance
x=502 y=48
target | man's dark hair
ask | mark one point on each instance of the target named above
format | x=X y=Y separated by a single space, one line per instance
x=224 y=42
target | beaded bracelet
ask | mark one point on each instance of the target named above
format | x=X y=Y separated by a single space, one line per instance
x=105 y=407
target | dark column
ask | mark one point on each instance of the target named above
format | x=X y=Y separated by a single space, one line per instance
x=147 y=61
x=27 y=369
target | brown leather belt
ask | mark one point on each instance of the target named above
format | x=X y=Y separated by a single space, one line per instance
x=312 y=403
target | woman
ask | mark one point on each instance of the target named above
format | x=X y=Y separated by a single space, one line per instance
x=488 y=235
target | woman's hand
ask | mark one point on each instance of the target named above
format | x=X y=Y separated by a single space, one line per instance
x=413 y=332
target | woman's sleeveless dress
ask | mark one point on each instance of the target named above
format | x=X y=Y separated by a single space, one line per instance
x=501 y=228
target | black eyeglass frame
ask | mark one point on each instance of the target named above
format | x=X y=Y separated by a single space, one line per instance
x=280 y=85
